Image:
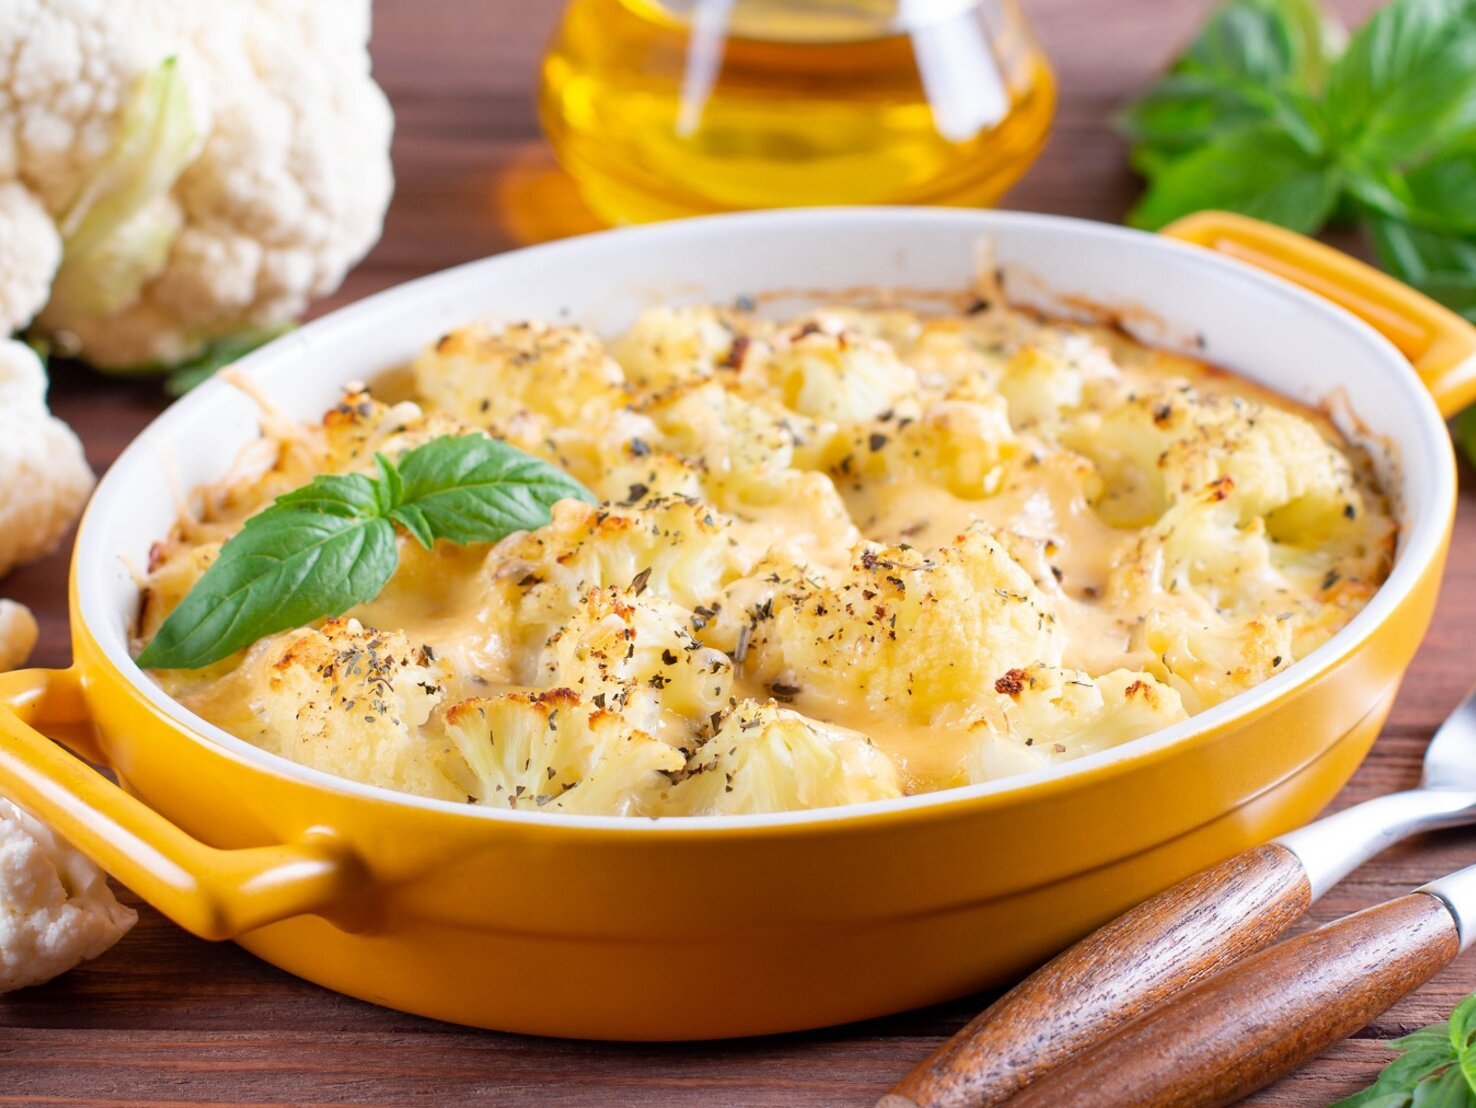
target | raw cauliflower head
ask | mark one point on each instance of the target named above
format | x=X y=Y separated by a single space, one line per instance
x=43 y=472
x=765 y=758
x=173 y=173
x=44 y=477
x=351 y=701
x=56 y=909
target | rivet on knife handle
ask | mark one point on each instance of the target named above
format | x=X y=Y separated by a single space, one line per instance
x=1116 y=974
x=1240 y=1030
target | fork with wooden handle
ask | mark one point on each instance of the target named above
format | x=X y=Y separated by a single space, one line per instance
x=1183 y=935
x=1233 y=1033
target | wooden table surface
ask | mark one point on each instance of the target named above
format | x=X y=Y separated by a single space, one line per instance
x=166 y=1017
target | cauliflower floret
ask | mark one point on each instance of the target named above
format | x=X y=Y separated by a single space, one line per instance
x=173 y=572
x=902 y=632
x=43 y=472
x=30 y=251
x=555 y=749
x=765 y=758
x=45 y=480
x=1159 y=446
x=635 y=652
x=634 y=471
x=960 y=444
x=1203 y=554
x=1041 y=715
x=1045 y=379
x=56 y=909
x=667 y=346
x=351 y=701
x=211 y=167
x=840 y=376
x=627 y=692
x=18 y=633
x=677 y=550
x=744 y=453
x=1211 y=659
x=489 y=377
x=950 y=353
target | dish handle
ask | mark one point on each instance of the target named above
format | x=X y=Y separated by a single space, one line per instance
x=1438 y=342
x=217 y=894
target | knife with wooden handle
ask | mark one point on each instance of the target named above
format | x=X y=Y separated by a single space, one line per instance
x=1114 y=975
x=1181 y=936
x=1240 y=1029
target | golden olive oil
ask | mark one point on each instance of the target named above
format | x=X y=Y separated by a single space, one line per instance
x=664 y=108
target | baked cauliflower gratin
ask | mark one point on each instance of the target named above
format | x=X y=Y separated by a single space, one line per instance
x=848 y=556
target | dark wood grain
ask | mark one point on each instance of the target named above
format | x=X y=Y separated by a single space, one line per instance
x=1236 y=1032
x=1113 y=976
x=166 y=1018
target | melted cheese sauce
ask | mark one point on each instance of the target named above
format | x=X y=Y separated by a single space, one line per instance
x=1179 y=533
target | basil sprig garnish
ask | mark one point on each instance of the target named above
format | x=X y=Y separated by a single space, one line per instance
x=323 y=548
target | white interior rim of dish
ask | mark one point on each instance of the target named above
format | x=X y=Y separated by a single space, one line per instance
x=1420 y=537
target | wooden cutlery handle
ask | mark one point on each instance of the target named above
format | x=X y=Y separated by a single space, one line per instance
x=1235 y=1032
x=1114 y=975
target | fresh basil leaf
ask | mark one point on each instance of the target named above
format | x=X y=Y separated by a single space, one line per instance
x=1407 y=82
x=389 y=489
x=1441 y=266
x=470 y=489
x=1255 y=60
x=1438 y=193
x=1267 y=43
x=287 y=567
x=1260 y=171
x=1428 y=1073
x=351 y=495
x=1448 y=1090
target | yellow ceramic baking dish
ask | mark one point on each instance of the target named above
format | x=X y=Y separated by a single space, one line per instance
x=691 y=928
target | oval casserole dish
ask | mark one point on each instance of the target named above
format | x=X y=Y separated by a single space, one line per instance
x=690 y=928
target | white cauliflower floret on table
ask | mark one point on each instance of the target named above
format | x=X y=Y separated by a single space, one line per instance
x=30 y=251
x=1040 y=715
x=487 y=377
x=211 y=168
x=905 y=632
x=765 y=758
x=56 y=909
x=44 y=481
x=351 y=701
x=18 y=633
x=44 y=476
